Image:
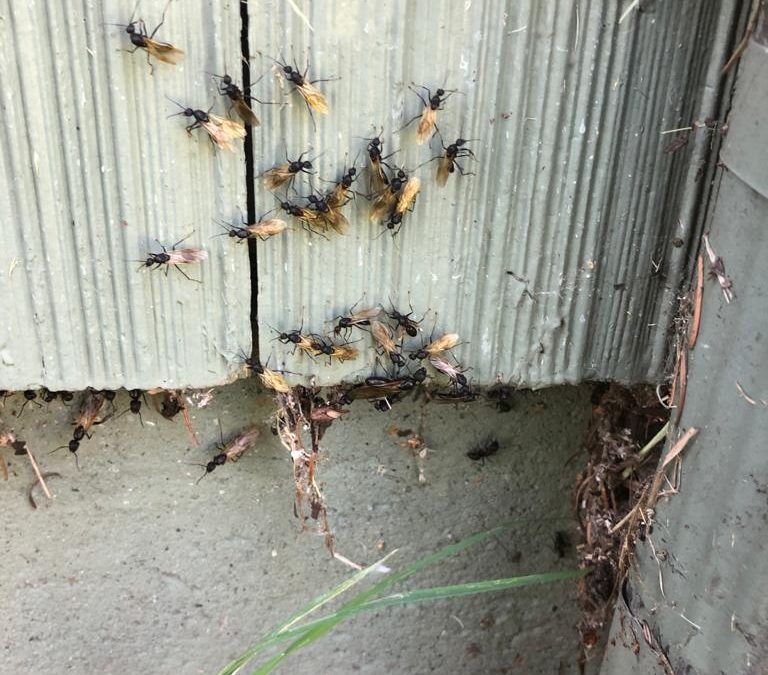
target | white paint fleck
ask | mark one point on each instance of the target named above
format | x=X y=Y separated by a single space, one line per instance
x=582 y=127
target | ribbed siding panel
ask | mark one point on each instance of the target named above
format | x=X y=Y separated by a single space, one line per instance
x=92 y=172
x=711 y=614
x=573 y=191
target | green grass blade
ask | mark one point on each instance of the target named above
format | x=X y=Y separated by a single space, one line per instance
x=323 y=626
x=457 y=590
x=274 y=637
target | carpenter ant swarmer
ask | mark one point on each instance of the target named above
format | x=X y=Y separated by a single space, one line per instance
x=140 y=39
x=428 y=116
x=240 y=99
x=361 y=318
x=85 y=420
x=454 y=372
x=447 y=163
x=311 y=95
x=221 y=131
x=262 y=229
x=271 y=379
x=436 y=347
x=405 y=202
x=385 y=339
x=404 y=321
x=175 y=257
x=231 y=451
x=387 y=199
x=283 y=174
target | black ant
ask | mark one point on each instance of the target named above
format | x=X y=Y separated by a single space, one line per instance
x=29 y=397
x=134 y=406
x=404 y=321
x=240 y=100
x=433 y=103
x=140 y=39
x=448 y=163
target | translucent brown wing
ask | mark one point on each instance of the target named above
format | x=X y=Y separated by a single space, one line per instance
x=337 y=220
x=444 y=166
x=377 y=179
x=408 y=195
x=383 y=335
x=278 y=176
x=223 y=131
x=275 y=381
x=338 y=197
x=344 y=353
x=426 y=125
x=314 y=98
x=245 y=113
x=267 y=228
x=164 y=51
x=444 y=343
x=382 y=205
x=184 y=256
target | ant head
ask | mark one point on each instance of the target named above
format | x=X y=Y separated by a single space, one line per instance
x=73 y=445
x=420 y=375
x=352 y=171
x=30 y=394
x=287 y=70
x=48 y=396
x=189 y=112
x=109 y=394
x=226 y=79
x=440 y=92
x=460 y=141
x=66 y=396
x=131 y=28
x=461 y=380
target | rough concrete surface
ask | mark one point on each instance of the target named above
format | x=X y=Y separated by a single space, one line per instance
x=135 y=568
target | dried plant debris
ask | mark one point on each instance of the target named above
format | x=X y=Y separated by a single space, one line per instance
x=612 y=494
x=300 y=414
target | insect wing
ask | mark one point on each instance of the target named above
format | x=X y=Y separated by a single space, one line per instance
x=383 y=335
x=344 y=353
x=245 y=113
x=382 y=205
x=443 y=170
x=275 y=381
x=408 y=195
x=163 y=51
x=277 y=177
x=184 y=256
x=267 y=228
x=426 y=125
x=444 y=343
x=314 y=98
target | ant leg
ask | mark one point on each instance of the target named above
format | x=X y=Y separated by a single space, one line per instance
x=149 y=63
x=173 y=248
x=162 y=20
x=461 y=171
x=177 y=268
